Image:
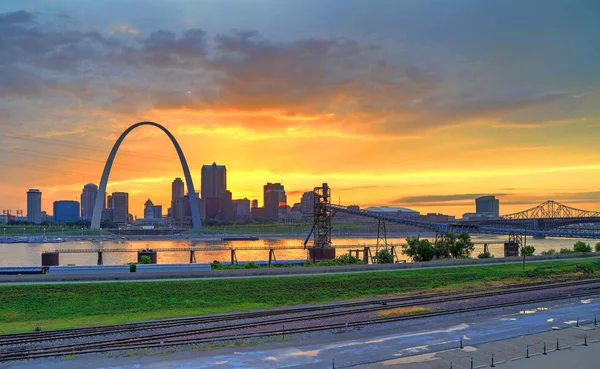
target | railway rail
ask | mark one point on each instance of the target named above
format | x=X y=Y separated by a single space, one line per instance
x=187 y=336
x=30 y=337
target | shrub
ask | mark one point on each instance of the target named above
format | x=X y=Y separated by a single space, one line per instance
x=581 y=246
x=216 y=265
x=584 y=269
x=251 y=265
x=145 y=259
x=566 y=251
x=384 y=257
x=527 y=250
x=597 y=247
x=549 y=252
x=418 y=249
x=485 y=255
x=132 y=267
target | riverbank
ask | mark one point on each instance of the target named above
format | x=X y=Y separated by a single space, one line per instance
x=25 y=307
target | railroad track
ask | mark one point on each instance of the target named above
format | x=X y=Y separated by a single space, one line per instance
x=180 y=338
x=119 y=346
x=376 y=305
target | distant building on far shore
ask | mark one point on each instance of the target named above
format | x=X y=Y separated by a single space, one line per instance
x=487 y=205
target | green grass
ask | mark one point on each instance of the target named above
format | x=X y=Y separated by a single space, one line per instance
x=23 y=307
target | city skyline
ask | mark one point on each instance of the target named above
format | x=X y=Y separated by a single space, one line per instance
x=384 y=109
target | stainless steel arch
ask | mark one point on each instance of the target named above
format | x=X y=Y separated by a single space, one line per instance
x=97 y=215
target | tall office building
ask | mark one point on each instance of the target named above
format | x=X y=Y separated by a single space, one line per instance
x=177 y=189
x=66 y=211
x=213 y=181
x=88 y=199
x=275 y=200
x=34 y=206
x=242 y=209
x=226 y=209
x=120 y=207
x=487 y=205
x=157 y=209
x=307 y=203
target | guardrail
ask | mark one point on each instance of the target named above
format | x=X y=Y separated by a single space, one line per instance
x=169 y=268
x=100 y=269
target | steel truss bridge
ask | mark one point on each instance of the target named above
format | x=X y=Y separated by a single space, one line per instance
x=549 y=219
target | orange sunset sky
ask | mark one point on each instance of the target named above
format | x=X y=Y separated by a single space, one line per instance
x=419 y=104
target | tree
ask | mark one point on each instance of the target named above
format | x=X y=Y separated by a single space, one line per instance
x=581 y=246
x=418 y=249
x=597 y=248
x=384 y=257
x=527 y=250
x=462 y=246
x=443 y=245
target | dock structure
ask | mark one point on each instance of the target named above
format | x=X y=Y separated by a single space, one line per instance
x=52 y=257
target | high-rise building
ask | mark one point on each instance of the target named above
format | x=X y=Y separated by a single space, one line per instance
x=66 y=211
x=254 y=204
x=34 y=206
x=213 y=206
x=242 y=208
x=275 y=200
x=109 y=202
x=177 y=189
x=148 y=211
x=88 y=199
x=213 y=180
x=487 y=205
x=120 y=207
x=157 y=209
x=307 y=203
x=226 y=209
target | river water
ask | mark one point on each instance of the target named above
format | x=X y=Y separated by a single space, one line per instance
x=29 y=254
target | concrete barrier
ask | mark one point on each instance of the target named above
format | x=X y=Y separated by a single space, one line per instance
x=171 y=268
x=99 y=269
x=21 y=270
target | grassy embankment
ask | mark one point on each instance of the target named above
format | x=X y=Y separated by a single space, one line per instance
x=23 y=308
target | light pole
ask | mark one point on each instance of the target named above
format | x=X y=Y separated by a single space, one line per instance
x=62 y=231
x=119 y=231
x=4 y=232
x=81 y=232
x=44 y=232
x=23 y=232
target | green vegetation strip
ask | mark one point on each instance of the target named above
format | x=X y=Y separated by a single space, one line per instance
x=23 y=308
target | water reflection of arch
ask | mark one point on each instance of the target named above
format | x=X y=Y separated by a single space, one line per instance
x=98 y=204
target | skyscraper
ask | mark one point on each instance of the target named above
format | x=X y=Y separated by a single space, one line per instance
x=177 y=189
x=120 y=207
x=66 y=211
x=88 y=198
x=213 y=180
x=307 y=203
x=34 y=206
x=275 y=200
x=487 y=205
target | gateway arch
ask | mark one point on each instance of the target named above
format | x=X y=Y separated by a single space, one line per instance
x=99 y=203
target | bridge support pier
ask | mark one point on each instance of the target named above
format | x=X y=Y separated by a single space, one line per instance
x=100 y=260
x=233 y=257
x=192 y=257
x=50 y=259
x=272 y=256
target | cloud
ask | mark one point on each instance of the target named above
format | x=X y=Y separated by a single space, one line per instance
x=123 y=29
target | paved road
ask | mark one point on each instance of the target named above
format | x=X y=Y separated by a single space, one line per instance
x=158 y=277
x=379 y=348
